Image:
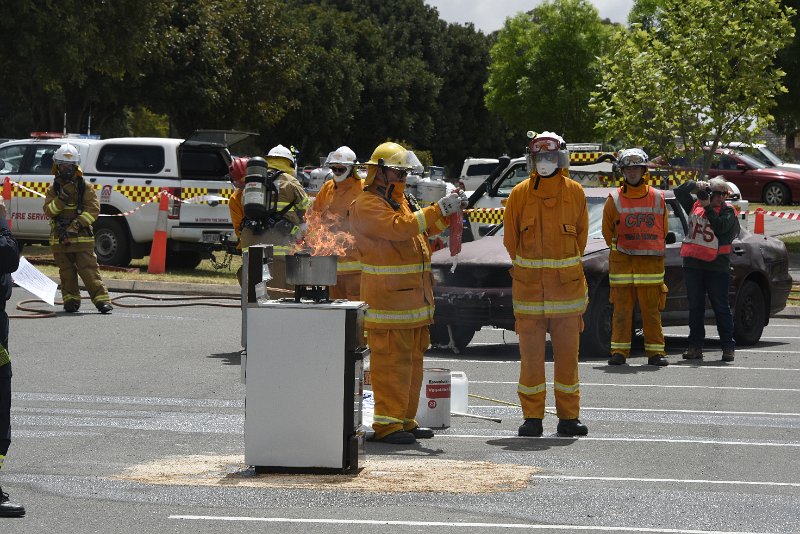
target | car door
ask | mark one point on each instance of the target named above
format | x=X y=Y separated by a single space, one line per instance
x=677 y=304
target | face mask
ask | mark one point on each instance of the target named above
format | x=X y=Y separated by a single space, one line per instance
x=66 y=172
x=546 y=164
x=338 y=178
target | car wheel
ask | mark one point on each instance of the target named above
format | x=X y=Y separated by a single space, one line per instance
x=183 y=260
x=750 y=314
x=596 y=336
x=776 y=194
x=111 y=242
x=462 y=335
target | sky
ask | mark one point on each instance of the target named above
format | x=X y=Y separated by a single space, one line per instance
x=489 y=15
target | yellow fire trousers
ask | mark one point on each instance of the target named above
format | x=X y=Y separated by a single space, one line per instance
x=651 y=301
x=565 y=336
x=396 y=373
x=348 y=286
x=83 y=263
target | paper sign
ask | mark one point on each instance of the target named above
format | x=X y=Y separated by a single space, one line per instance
x=33 y=280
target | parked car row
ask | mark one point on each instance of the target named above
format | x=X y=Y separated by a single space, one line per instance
x=478 y=293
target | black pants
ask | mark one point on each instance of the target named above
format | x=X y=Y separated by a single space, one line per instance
x=5 y=409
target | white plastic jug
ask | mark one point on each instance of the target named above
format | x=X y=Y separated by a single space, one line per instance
x=434 y=399
x=459 y=392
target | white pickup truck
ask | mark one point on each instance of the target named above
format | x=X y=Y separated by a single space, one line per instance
x=127 y=174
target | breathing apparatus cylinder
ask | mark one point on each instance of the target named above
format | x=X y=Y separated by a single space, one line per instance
x=260 y=198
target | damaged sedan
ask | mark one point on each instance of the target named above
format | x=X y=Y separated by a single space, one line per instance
x=478 y=292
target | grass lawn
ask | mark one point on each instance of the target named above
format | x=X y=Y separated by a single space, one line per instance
x=205 y=273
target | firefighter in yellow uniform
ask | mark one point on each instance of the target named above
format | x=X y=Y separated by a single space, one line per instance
x=237 y=174
x=293 y=203
x=391 y=238
x=330 y=206
x=545 y=231
x=635 y=228
x=72 y=206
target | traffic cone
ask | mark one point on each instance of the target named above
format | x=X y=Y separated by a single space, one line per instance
x=759 y=224
x=158 y=251
x=7 y=200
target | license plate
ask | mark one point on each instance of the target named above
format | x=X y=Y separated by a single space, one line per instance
x=212 y=238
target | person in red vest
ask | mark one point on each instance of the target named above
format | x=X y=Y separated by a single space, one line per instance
x=635 y=228
x=706 y=249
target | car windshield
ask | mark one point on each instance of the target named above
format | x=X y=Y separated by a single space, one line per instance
x=771 y=156
x=751 y=161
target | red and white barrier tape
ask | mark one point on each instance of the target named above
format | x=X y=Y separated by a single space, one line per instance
x=792 y=215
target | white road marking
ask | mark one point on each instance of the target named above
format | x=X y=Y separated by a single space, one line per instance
x=694 y=368
x=377 y=522
x=677 y=480
x=670 y=386
x=513 y=435
x=656 y=410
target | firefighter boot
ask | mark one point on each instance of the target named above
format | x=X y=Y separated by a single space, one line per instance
x=657 y=360
x=693 y=353
x=571 y=427
x=104 y=307
x=728 y=355
x=422 y=432
x=8 y=508
x=72 y=306
x=400 y=437
x=531 y=428
x=616 y=359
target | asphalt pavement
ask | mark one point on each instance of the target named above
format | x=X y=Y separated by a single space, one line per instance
x=702 y=447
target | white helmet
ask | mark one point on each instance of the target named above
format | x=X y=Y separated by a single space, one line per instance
x=281 y=151
x=342 y=160
x=67 y=153
x=546 y=152
x=632 y=157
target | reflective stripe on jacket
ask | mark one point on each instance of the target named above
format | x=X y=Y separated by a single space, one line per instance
x=395 y=258
x=546 y=225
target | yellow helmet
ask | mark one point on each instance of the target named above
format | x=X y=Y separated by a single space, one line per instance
x=393 y=156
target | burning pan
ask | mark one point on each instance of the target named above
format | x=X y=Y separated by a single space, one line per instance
x=303 y=269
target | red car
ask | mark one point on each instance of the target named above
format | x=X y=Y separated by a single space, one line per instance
x=756 y=181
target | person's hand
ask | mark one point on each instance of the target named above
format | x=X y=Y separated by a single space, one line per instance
x=450 y=204
x=69 y=191
x=464 y=198
x=700 y=185
x=73 y=228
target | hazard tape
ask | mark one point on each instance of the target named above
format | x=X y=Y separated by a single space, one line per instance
x=791 y=215
x=485 y=215
x=136 y=193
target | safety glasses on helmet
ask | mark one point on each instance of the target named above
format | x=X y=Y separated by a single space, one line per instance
x=543 y=144
x=632 y=160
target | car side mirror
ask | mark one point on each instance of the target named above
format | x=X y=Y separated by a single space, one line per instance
x=671 y=238
x=483 y=230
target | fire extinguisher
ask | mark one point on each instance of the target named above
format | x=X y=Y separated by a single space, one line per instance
x=260 y=198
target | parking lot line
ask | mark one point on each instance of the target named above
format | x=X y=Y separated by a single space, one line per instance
x=675 y=480
x=669 y=386
x=513 y=435
x=693 y=367
x=379 y=523
x=656 y=410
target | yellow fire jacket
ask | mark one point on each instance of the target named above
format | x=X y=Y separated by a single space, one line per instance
x=331 y=205
x=627 y=269
x=546 y=225
x=65 y=219
x=395 y=258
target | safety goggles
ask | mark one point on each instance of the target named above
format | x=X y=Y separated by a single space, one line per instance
x=543 y=144
x=398 y=173
x=632 y=160
x=338 y=170
x=720 y=193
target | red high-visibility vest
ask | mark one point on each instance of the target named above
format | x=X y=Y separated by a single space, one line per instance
x=701 y=242
x=640 y=230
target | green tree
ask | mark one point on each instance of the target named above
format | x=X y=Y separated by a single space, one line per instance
x=787 y=110
x=703 y=75
x=544 y=68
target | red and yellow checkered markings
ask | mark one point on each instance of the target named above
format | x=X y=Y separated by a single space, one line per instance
x=137 y=193
x=585 y=157
x=197 y=195
x=39 y=187
x=486 y=215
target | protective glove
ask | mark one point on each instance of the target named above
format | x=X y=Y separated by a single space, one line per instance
x=464 y=198
x=73 y=228
x=450 y=204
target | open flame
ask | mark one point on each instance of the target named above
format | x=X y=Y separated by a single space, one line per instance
x=325 y=235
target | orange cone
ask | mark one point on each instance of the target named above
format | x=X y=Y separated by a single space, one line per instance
x=158 y=251
x=7 y=199
x=759 y=224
